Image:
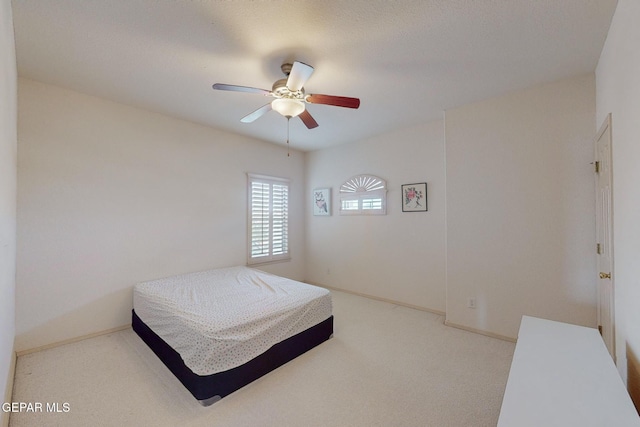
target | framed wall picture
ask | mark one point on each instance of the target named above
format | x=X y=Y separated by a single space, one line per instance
x=414 y=197
x=322 y=201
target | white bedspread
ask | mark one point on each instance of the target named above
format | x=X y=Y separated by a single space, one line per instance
x=220 y=319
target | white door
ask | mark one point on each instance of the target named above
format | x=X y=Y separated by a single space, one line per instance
x=604 y=236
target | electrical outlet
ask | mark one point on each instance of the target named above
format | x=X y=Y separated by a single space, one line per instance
x=471 y=302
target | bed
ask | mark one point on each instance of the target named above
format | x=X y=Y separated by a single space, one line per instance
x=219 y=330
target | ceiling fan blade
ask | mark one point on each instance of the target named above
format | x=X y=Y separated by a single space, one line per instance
x=338 y=101
x=234 y=88
x=300 y=73
x=256 y=114
x=308 y=121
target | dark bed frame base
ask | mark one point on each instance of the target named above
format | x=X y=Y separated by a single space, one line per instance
x=208 y=389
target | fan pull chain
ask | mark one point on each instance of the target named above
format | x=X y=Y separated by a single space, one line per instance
x=288 y=125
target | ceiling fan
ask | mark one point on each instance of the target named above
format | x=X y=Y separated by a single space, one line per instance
x=290 y=97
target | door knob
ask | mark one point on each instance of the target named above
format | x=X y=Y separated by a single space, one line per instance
x=605 y=275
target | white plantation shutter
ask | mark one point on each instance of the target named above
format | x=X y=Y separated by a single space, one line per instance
x=259 y=219
x=268 y=219
x=280 y=219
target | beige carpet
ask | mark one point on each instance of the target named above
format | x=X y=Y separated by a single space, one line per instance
x=386 y=365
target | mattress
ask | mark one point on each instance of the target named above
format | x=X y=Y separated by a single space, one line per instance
x=220 y=319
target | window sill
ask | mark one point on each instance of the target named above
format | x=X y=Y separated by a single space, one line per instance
x=271 y=261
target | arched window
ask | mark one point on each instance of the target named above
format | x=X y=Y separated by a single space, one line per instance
x=363 y=195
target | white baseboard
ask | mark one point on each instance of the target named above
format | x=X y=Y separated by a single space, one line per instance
x=441 y=313
x=480 y=331
x=4 y=416
x=72 y=340
x=390 y=301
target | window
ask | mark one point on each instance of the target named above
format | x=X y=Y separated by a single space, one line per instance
x=268 y=219
x=363 y=195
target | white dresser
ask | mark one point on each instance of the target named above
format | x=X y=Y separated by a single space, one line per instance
x=562 y=375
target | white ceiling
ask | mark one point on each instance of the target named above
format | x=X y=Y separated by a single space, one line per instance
x=407 y=60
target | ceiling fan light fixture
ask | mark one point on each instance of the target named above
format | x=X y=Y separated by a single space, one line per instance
x=288 y=107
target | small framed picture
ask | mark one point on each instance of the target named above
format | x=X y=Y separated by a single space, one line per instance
x=414 y=197
x=322 y=201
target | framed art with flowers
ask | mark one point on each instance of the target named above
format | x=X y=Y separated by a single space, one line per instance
x=414 y=197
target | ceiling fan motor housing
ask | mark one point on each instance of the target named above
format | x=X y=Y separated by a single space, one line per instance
x=280 y=90
x=286 y=68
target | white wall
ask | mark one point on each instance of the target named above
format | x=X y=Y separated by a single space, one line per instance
x=110 y=195
x=618 y=93
x=520 y=208
x=8 y=162
x=398 y=256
